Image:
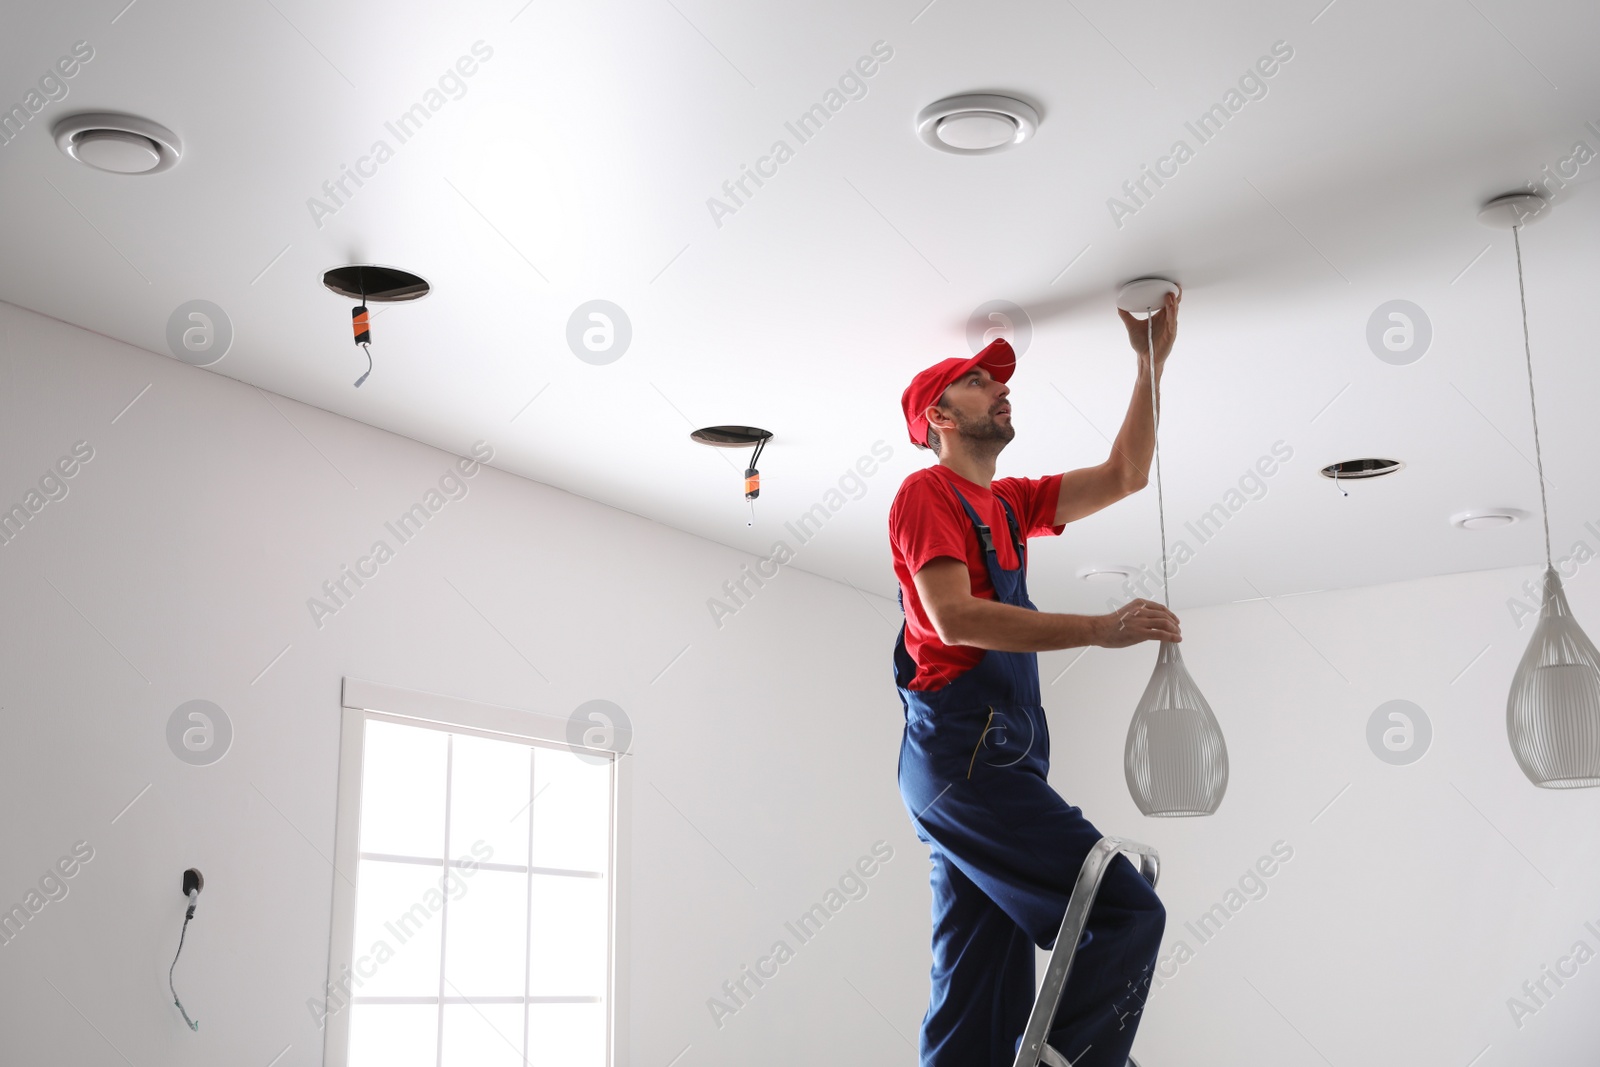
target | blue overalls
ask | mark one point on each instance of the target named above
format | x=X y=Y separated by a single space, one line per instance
x=1006 y=852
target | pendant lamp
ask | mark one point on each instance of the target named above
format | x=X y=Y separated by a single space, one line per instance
x=1175 y=759
x=1553 y=710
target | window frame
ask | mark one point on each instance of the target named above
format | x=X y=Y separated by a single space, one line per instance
x=361 y=701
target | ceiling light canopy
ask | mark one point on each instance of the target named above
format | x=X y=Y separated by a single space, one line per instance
x=1513 y=210
x=976 y=124
x=119 y=144
x=1146 y=295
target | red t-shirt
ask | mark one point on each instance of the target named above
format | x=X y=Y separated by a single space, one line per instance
x=927 y=522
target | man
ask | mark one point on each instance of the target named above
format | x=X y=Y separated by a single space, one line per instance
x=973 y=763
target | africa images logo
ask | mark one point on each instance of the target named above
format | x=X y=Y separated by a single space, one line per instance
x=851 y=85
x=1252 y=85
x=598 y=730
x=52 y=88
x=199 y=732
x=804 y=528
x=337 y=192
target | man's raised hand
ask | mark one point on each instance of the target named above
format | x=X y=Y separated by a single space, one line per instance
x=1166 y=329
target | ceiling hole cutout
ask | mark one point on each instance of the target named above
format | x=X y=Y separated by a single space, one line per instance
x=375 y=284
x=1361 y=468
x=729 y=436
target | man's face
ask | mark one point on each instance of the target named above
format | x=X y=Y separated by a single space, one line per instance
x=980 y=408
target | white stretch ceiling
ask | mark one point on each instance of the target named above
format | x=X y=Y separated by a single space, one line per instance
x=576 y=162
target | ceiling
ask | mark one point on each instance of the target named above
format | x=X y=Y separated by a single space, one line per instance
x=576 y=162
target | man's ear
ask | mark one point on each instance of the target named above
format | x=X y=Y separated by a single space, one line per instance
x=938 y=419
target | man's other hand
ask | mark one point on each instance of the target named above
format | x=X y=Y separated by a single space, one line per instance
x=1136 y=621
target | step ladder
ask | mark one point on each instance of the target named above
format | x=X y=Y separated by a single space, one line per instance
x=1035 y=1048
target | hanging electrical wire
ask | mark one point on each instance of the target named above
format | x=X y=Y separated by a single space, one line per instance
x=1155 y=433
x=752 y=478
x=1533 y=405
x=193 y=882
x=362 y=327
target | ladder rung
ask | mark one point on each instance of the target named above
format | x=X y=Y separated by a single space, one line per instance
x=1051 y=1058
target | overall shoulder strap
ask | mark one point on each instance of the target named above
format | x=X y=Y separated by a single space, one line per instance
x=1016 y=533
x=984 y=537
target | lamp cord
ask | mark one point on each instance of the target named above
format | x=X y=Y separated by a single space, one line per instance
x=1155 y=433
x=193 y=1025
x=1533 y=407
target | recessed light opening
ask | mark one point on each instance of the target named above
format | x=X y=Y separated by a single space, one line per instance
x=1351 y=469
x=729 y=436
x=374 y=284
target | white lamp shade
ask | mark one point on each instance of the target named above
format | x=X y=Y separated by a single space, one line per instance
x=1553 y=711
x=1175 y=759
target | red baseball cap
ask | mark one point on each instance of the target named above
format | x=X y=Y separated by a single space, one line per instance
x=928 y=386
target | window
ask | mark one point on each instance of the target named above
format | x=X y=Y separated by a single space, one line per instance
x=478 y=926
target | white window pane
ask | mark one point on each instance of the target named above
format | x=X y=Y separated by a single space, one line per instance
x=402 y=790
x=500 y=794
x=486 y=938
x=569 y=943
x=483 y=1035
x=394 y=1035
x=397 y=916
x=489 y=796
x=566 y=1035
x=571 y=811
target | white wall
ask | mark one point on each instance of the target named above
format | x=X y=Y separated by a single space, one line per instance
x=178 y=567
